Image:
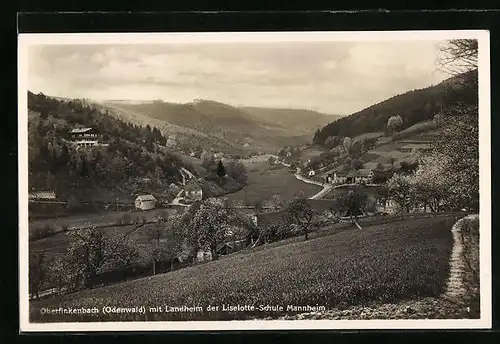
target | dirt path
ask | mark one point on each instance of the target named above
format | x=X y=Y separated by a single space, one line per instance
x=326 y=187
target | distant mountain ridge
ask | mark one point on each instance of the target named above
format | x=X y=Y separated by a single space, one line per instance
x=262 y=128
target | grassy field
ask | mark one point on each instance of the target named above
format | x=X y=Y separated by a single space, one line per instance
x=56 y=245
x=97 y=219
x=365 y=136
x=311 y=153
x=401 y=260
x=264 y=181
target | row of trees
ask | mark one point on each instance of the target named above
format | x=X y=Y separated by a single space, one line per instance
x=205 y=225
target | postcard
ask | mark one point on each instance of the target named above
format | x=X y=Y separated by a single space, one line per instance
x=254 y=181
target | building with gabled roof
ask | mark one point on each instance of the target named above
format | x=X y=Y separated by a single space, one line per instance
x=193 y=191
x=364 y=176
x=145 y=202
x=84 y=137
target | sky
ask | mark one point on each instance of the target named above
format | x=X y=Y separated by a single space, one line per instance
x=330 y=77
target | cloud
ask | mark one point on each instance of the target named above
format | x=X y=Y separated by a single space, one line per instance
x=341 y=77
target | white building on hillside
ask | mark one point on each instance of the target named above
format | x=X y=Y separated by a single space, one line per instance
x=84 y=137
x=145 y=202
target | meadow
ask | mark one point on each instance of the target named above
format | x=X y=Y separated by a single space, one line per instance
x=401 y=260
x=108 y=218
x=265 y=181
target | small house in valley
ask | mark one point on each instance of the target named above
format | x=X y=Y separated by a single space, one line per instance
x=312 y=173
x=339 y=177
x=145 y=202
x=193 y=191
x=364 y=176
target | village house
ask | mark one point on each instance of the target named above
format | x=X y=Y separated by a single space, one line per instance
x=350 y=177
x=337 y=178
x=312 y=173
x=364 y=176
x=145 y=202
x=193 y=191
x=84 y=137
x=42 y=195
x=219 y=155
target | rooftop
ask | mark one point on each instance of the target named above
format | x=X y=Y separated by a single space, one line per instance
x=146 y=198
x=80 y=130
x=363 y=172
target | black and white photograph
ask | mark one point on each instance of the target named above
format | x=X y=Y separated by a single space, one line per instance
x=309 y=180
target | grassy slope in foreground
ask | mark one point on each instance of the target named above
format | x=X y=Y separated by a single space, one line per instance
x=383 y=263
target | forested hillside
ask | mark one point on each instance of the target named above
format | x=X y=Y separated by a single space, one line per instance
x=413 y=107
x=128 y=159
x=260 y=128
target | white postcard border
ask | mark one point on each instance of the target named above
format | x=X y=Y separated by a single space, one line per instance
x=485 y=321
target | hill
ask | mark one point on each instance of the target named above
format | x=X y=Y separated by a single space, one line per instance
x=304 y=121
x=124 y=164
x=187 y=139
x=392 y=262
x=413 y=106
x=253 y=128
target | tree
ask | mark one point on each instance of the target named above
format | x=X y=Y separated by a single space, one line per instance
x=346 y=144
x=124 y=252
x=394 y=123
x=58 y=274
x=356 y=164
x=408 y=167
x=401 y=190
x=237 y=171
x=459 y=56
x=155 y=236
x=357 y=148
x=221 y=171
x=392 y=160
x=271 y=160
x=87 y=253
x=182 y=226
x=300 y=212
x=457 y=145
x=352 y=203
x=331 y=142
x=275 y=202
x=281 y=153
x=258 y=206
x=434 y=187
x=213 y=222
x=38 y=268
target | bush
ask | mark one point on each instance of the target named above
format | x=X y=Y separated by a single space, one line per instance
x=42 y=232
x=126 y=219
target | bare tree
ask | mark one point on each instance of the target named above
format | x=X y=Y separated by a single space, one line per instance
x=87 y=253
x=458 y=56
x=38 y=268
x=124 y=252
x=299 y=212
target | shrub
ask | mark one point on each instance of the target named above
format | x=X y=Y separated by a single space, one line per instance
x=126 y=218
x=41 y=232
